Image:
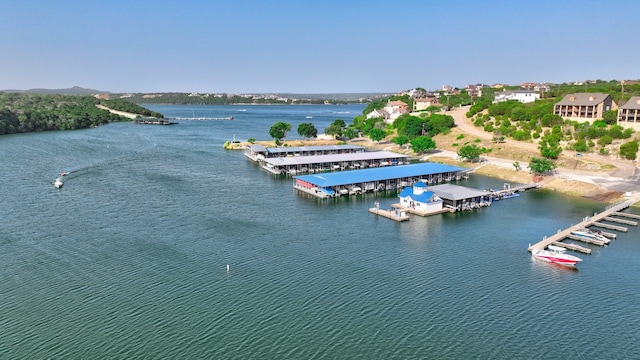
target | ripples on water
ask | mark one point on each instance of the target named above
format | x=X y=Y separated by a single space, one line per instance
x=128 y=260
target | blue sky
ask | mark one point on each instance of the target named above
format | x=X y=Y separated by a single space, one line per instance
x=312 y=46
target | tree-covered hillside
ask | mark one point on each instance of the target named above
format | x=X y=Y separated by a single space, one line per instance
x=37 y=112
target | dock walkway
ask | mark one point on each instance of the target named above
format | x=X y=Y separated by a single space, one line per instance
x=396 y=215
x=588 y=221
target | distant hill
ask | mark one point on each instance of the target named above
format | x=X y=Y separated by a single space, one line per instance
x=76 y=90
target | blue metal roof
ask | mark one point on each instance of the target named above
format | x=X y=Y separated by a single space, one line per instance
x=422 y=198
x=377 y=174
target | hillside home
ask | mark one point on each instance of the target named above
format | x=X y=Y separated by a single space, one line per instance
x=629 y=114
x=378 y=113
x=395 y=109
x=523 y=96
x=420 y=104
x=584 y=106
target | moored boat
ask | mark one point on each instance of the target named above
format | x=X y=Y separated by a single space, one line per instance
x=556 y=255
x=588 y=234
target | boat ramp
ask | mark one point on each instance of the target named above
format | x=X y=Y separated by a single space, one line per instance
x=611 y=214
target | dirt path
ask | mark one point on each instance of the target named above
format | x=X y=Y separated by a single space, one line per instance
x=624 y=177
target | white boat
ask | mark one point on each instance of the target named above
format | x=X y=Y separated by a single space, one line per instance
x=588 y=234
x=557 y=255
x=58 y=183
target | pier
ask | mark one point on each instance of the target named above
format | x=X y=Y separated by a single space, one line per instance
x=203 y=118
x=396 y=214
x=153 y=121
x=588 y=221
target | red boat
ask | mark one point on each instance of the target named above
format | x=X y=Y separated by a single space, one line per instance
x=556 y=255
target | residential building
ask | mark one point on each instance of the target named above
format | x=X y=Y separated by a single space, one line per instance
x=629 y=114
x=584 y=106
x=395 y=109
x=524 y=96
x=420 y=104
x=378 y=113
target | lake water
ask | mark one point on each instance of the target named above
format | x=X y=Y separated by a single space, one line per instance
x=128 y=259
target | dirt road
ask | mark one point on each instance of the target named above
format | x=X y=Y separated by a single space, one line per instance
x=624 y=178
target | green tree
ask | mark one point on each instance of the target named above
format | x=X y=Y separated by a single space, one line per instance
x=470 y=152
x=279 y=130
x=307 y=130
x=350 y=133
x=550 y=147
x=377 y=134
x=334 y=130
x=400 y=140
x=422 y=144
x=541 y=166
x=611 y=116
x=629 y=150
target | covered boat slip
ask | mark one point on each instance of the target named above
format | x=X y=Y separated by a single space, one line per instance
x=258 y=152
x=458 y=198
x=327 y=163
x=376 y=179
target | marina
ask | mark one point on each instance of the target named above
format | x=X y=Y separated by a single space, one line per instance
x=257 y=152
x=375 y=179
x=153 y=121
x=293 y=165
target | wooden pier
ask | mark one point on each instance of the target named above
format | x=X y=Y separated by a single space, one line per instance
x=395 y=215
x=420 y=213
x=588 y=221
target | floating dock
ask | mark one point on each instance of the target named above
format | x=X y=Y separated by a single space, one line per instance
x=257 y=152
x=396 y=215
x=153 y=121
x=588 y=221
x=335 y=162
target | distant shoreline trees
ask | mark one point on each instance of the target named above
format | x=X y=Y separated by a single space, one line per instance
x=22 y=113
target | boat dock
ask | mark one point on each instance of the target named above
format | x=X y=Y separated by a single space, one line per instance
x=607 y=215
x=335 y=162
x=257 y=152
x=203 y=118
x=386 y=178
x=420 y=213
x=153 y=121
x=394 y=214
x=508 y=190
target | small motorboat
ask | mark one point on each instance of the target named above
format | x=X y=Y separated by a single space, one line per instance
x=64 y=173
x=557 y=255
x=58 y=183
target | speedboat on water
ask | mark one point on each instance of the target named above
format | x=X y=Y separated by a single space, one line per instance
x=64 y=173
x=58 y=183
x=556 y=255
x=586 y=233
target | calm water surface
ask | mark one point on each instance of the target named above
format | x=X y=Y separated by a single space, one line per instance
x=128 y=259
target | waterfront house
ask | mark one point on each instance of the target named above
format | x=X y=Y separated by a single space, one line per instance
x=418 y=199
x=629 y=114
x=584 y=106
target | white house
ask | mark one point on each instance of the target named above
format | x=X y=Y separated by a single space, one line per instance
x=378 y=113
x=419 y=199
x=524 y=96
